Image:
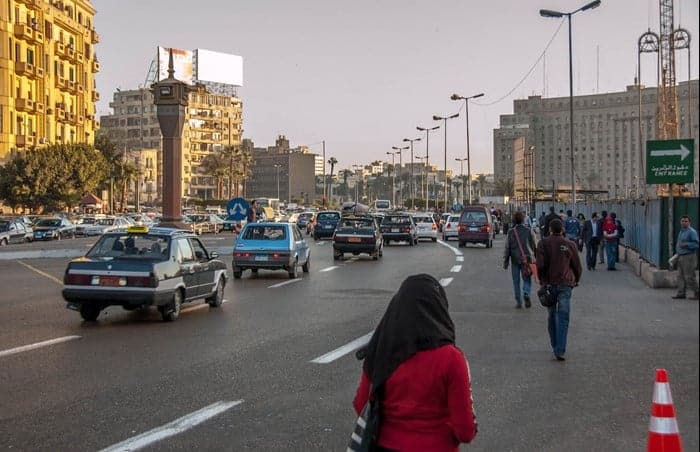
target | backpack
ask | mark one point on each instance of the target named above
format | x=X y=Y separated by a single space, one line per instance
x=620 y=229
x=572 y=226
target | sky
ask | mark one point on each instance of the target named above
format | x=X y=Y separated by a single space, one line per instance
x=362 y=74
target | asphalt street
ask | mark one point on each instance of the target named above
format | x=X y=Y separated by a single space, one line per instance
x=247 y=376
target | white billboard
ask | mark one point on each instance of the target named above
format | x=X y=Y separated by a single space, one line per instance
x=219 y=67
x=183 y=63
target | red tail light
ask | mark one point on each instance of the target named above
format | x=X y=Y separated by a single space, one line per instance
x=434 y=226
x=447 y=226
x=76 y=280
x=280 y=255
x=407 y=230
x=142 y=281
x=242 y=254
x=486 y=228
x=461 y=229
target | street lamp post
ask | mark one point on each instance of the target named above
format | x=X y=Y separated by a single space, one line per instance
x=399 y=150
x=412 y=184
x=445 y=118
x=461 y=171
x=466 y=115
x=550 y=13
x=393 y=177
x=427 y=131
x=421 y=158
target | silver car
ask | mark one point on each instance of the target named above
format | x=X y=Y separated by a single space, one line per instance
x=425 y=226
x=450 y=228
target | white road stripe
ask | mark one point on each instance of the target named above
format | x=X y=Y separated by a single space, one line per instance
x=284 y=283
x=320 y=243
x=456 y=269
x=26 y=348
x=52 y=278
x=454 y=250
x=344 y=350
x=327 y=269
x=444 y=282
x=459 y=258
x=173 y=428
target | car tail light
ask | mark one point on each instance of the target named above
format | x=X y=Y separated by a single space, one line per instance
x=461 y=229
x=434 y=226
x=280 y=255
x=241 y=254
x=76 y=280
x=486 y=228
x=447 y=226
x=142 y=281
x=339 y=238
x=407 y=230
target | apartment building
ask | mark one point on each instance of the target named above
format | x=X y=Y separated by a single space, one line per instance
x=47 y=73
x=212 y=122
x=608 y=154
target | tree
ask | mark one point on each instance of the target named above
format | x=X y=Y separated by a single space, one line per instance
x=481 y=178
x=504 y=187
x=215 y=165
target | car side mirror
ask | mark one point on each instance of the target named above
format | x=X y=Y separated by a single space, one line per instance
x=213 y=255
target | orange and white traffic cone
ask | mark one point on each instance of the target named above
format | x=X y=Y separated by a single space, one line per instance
x=663 y=428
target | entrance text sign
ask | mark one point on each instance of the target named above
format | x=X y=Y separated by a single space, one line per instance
x=670 y=161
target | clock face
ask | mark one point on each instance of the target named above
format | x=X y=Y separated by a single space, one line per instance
x=165 y=91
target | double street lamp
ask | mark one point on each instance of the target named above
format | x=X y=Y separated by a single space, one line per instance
x=466 y=114
x=399 y=150
x=413 y=191
x=556 y=14
x=427 y=131
x=393 y=177
x=445 y=118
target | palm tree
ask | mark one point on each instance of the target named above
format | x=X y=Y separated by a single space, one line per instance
x=346 y=173
x=482 y=181
x=229 y=153
x=332 y=161
x=214 y=165
x=504 y=187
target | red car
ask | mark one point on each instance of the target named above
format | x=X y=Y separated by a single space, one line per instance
x=475 y=226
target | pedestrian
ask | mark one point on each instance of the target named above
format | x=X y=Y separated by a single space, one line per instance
x=519 y=252
x=421 y=379
x=601 y=246
x=610 y=239
x=620 y=228
x=686 y=249
x=591 y=238
x=572 y=228
x=252 y=213
x=551 y=216
x=559 y=267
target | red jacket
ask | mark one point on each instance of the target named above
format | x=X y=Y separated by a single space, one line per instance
x=427 y=403
x=609 y=229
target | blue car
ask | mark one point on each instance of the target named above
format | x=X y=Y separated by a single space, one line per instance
x=271 y=246
x=326 y=222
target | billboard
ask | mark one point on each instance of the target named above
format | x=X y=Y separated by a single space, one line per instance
x=218 y=67
x=183 y=63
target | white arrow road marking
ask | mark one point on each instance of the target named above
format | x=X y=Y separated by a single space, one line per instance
x=459 y=258
x=444 y=282
x=344 y=350
x=683 y=152
x=26 y=348
x=454 y=250
x=173 y=428
x=456 y=269
x=327 y=269
x=284 y=283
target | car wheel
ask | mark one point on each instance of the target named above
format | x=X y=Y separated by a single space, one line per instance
x=307 y=265
x=254 y=271
x=381 y=251
x=316 y=237
x=294 y=271
x=434 y=239
x=58 y=236
x=461 y=244
x=218 y=297
x=171 y=311
x=412 y=242
x=337 y=255
x=89 y=312
x=489 y=244
x=3 y=242
x=237 y=274
x=375 y=255
x=387 y=242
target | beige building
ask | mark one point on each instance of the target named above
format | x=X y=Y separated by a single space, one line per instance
x=212 y=122
x=47 y=73
x=607 y=151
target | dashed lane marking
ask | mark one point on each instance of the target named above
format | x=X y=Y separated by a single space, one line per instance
x=459 y=258
x=26 y=348
x=34 y=269
x=284 y=283
x=454 y=250
x=444 y=282
x=173 y=428
x=456 y=269
x=344 y=350
x=327 y=269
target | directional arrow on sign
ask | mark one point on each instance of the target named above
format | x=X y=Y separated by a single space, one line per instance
x=683 y=152
x=238 y=208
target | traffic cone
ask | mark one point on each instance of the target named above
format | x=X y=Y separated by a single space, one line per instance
x=663 y=429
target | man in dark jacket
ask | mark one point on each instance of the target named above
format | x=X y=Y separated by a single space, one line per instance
x=559 y=267
x=591 y=238
x=551 y=216
x=518 y=248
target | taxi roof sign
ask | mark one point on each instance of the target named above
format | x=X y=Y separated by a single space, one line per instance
x=137 y=229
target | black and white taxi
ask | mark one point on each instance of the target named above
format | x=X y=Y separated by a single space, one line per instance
x=141 y=266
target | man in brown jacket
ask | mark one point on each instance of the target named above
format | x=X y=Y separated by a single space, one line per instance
x=559 y=267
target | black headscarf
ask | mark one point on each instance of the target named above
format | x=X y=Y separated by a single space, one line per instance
x=416 y=319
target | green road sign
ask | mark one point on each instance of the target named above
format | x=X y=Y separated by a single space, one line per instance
x=670 y=161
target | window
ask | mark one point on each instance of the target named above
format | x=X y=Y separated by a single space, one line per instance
x=183 y=252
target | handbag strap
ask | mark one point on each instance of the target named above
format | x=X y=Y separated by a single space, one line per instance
x=520 y=245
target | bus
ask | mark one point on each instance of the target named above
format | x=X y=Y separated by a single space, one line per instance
x=381 y=205
x=274 y=203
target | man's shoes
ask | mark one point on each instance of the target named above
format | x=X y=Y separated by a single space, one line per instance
x=519 y=306
x=560 y=358
x=679 y=296
x=527 y=300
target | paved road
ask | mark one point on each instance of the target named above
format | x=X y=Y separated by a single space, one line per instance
x=131 y=373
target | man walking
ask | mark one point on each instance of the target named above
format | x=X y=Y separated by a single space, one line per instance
x=610 y=234
x=519 y=252
x=686 y=249
x=558 y=266
x=551 y=216
x=591 y=238
x=572 y=227
x=601 y=246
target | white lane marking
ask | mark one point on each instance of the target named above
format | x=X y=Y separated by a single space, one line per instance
x=199 y=306
x=444 y=282
x=284 y=283
x=26 y=348
x=459 y=258
x=320 y=243
x=454 y=250
x=344 y=350
x=327 y=269
x=52 y=278
x=173 y=428
x=456 y=269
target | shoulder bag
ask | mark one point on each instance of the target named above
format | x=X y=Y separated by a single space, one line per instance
x=548 y=296
x=526 y=268
x=366 y=431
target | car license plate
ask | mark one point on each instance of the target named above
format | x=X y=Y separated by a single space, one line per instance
x=394 y=230
x=111 y=281
x=328 y=226
x=261 y=257
x=354 y=239
x=473 y=229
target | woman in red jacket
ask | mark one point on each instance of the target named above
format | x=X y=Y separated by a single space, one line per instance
x=423 y=378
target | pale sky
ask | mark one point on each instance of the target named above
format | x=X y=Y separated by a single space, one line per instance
x=362 y=74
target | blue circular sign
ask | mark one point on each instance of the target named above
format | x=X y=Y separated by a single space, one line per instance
x=237 y=209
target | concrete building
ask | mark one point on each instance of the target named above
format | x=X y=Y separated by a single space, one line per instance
x=607 y=152
x=282 y=172
x=212 y=122
x=47 y=73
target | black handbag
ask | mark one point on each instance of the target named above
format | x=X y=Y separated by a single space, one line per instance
x=548 y=296
x=366 y=432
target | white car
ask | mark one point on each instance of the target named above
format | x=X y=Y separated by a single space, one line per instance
x=450 y=228
x=425 y=226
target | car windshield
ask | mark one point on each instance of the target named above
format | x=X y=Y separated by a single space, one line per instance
x=4 y=225
x=105 y=221
x=382 y=204
x=454 y=219
x=474 y=216
x=328 y=216
x=87 y=220
x=360 y=224
x=257 y=232
x=130 y=246
x=49 y=223
x=396 y=219
x=423 y=219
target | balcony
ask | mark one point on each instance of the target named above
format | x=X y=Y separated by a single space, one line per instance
x=26 y=69
x=79 y=58
x=70 y=53
x=95 y=96
x=81 y=119
x=38 y=107
x=79 y=88
x=60 y=49
x=70 y=86
x=37 y=37
x=39 y=72
x=95 y=37
x=24 y=141
x=71 y=118
x=24 y=31
x=95 y=67
x=22 y=104
x=61 y=83
x=60 y=115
